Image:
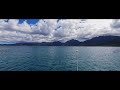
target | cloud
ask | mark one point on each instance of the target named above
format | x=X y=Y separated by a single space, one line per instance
x=48 y=30
x=116 y=24
x=44 y=27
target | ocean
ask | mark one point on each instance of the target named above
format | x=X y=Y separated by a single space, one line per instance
x=59 y=58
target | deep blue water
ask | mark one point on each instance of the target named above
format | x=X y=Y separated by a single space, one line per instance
x=59 y=58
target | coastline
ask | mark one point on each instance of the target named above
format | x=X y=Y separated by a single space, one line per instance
x=66 y=46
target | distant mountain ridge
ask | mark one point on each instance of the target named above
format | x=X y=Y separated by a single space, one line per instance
x=96 y=41
x=72 y=43
x=103 y=41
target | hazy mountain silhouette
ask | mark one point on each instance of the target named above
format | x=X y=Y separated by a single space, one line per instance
x=72 y=43
x=96 y=41
x=103 y=40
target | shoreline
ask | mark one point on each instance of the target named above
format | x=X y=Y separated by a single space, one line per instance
x=60 y=46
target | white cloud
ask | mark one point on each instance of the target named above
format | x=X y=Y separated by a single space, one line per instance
x=46 y=30
x=44 y=27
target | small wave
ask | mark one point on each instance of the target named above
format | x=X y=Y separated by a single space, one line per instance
x=116 y=51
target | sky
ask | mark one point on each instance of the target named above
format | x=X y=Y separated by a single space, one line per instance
x=29 y=21
x=49 y=30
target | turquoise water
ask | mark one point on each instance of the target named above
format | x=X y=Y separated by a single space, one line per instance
x=59 y=58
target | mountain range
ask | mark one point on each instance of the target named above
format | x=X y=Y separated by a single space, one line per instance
x=96 y=41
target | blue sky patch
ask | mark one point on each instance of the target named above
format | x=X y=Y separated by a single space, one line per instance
x=29 y=21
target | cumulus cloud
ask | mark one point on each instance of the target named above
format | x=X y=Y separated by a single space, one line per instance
x=48 y=30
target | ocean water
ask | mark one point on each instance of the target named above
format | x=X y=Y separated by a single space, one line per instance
x=59 y=58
